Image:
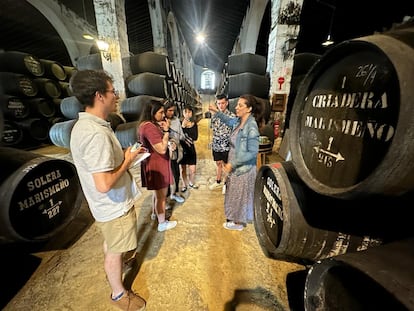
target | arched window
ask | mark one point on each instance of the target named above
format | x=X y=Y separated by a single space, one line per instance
x=208 y=80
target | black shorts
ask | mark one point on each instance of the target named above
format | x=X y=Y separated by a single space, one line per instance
x=221 y=156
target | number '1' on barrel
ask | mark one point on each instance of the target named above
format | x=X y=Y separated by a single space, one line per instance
x=352 y=121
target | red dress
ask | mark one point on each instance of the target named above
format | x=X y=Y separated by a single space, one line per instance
x=156 y=169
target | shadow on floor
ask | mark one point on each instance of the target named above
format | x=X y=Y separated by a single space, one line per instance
x=257 y=296
x=19 y=263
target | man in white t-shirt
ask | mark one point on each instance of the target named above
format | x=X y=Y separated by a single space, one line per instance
x=109 y=188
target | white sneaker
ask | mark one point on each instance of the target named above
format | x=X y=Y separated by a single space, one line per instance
x=230 y=225
x=177 y=198
x=166 y=225
x=223 y=190
x=216 y=185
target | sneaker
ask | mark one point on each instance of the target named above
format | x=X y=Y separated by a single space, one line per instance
x=177 y=198
x=193 y=186
x=216 y=185
x=183 y=189
x=223 y=190
x=166 y=225
x=230 y=225
x=130 y=301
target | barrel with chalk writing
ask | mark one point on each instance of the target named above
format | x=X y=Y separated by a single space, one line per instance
x=294 y=223
x=40 y=196
x=352 y=119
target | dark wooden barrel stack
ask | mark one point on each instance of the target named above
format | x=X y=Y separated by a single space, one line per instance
x=154 y=77
x=30 y=94
x=246 y=74
x=40 y=196
x=344 y=200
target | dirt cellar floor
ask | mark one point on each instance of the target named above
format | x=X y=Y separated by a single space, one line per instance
x=196 y=266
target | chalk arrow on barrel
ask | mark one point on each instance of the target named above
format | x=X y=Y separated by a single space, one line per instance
x=337 y=156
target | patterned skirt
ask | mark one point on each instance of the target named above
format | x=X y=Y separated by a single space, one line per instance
x=238 y=201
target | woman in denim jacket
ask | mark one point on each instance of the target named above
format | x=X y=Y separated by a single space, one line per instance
x=241 y=167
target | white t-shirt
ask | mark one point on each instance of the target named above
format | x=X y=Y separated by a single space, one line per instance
x=95 y=149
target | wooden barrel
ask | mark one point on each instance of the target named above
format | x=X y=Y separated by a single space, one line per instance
x=148 y=83
x=40 y=195
x=171 y=73
x=12 y=133
x=42 y=107
x=127 y=133
x=60 y=132
x=70 y=107
x=20 y=62
x=248 y=83
x=13 y=107
x=65 y=88
x=53 y=70
x=149 y=62
x=379 y=278
x=48 y=88
x=246 y=62
x=17 y=84
x=294 y=223
x=35 y=128
x=353 y=116
x=132 y=107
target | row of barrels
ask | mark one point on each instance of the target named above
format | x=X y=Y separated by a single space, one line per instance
x=151 y=79
x=246 y=74
x=152 y=74
x=31 y=90
x=342 y=205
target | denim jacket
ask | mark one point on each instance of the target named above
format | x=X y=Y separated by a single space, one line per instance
x=247 y=143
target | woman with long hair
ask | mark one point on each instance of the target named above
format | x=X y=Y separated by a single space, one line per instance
x=241 y=164
x=156 y=172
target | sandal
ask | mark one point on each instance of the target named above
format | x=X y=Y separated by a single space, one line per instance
x=184 y=189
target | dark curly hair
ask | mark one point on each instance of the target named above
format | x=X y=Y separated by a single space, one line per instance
x=85 y=83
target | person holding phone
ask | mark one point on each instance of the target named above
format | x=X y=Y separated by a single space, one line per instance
x=189 y=159
x=156 y=174
x=109 y=188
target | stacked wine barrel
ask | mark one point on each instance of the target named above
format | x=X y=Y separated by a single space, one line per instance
x=40 y=196
x=343 y=204
x=246 y=74
x=154 y=77
x=30 y=93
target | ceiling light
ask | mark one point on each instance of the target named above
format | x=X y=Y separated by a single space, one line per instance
x=87 y=36
x=201 y=38
x=102 y=45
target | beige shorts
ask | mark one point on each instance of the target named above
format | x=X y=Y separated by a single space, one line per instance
x=121 y=233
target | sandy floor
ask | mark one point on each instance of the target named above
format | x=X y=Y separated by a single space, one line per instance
x=197 y=266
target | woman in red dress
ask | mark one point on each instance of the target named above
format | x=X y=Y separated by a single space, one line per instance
x=156 y=170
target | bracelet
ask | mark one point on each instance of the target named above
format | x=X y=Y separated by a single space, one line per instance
x=166 y=131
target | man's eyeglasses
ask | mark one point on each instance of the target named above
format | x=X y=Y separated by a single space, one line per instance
x=115 y=92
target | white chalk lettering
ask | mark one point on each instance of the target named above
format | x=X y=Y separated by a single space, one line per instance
x=273 y=202
x=43 y=180
x=350 y=100
x=43 y=195
x=381 y=132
